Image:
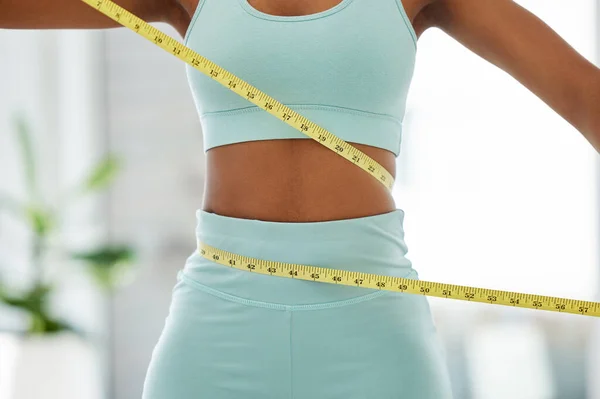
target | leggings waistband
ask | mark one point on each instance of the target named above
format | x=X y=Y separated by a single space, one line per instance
x=370 y=244
x=386 y=224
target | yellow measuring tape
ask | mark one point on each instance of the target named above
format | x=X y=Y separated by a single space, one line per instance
x=352 y=154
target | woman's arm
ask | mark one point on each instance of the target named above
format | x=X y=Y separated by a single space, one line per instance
x=515 y=40
x=46 y=14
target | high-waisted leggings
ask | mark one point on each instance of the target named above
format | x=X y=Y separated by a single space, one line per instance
x=233 y=334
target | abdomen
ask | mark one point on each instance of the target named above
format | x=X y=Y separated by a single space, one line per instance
x=293 y=180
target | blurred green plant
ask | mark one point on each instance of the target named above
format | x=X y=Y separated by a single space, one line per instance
x=107 y=264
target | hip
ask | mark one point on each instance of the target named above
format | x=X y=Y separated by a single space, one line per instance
x=232 y=333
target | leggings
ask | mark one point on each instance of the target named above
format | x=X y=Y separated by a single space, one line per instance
x=233 y=334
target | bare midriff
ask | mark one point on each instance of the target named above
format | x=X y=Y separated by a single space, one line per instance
x=293 y=180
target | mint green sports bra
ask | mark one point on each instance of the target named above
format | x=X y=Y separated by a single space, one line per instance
x=348 y=69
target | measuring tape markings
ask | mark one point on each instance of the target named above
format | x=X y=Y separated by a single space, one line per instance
x=352 y=154
x=398 y=284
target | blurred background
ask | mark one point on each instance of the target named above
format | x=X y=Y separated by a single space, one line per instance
x=102 y=169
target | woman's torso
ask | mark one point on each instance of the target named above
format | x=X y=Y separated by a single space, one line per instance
x=242 y=182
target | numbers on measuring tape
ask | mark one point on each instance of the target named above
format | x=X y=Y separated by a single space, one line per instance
x=398 y=284
x=322 y=137
x=214 y=73
x=371 y=168
x=195 y=62
x=355 y=158
x=157 y=40
x=304 y=127
x=137 y=27
x=286 y=117
x=339 y=148
x=118 y=16
x=232 y=84
x=176 y=51
x=99 y=5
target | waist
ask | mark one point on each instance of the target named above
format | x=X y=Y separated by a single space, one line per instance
x=293 y=180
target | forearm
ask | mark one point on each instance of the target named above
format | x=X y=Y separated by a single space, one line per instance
x=589 y=119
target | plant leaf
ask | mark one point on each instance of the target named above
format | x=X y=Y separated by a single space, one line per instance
x=33 y=301
x=102 y=174
x=108 y=265
x=24 y=138
x=105 y=256
x=42 y=323
x=41 y=220
x=14 y=301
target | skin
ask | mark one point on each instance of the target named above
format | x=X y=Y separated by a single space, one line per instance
x=500 y=31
